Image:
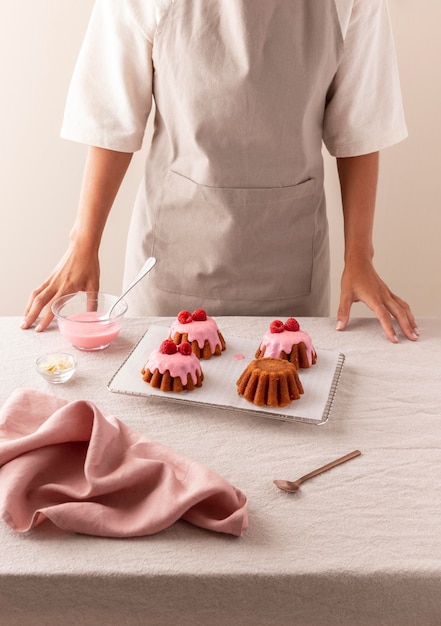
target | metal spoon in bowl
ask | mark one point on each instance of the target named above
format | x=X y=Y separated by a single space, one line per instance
x=145 y=269
x=293 y=485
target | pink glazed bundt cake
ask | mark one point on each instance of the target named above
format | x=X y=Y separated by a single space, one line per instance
x=287 y=341
x=173 y=368
x=200 y=331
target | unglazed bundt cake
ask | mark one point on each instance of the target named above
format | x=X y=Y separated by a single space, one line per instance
x=270 y=382
x=173 y=368
x=287 y=341
x=200 y=330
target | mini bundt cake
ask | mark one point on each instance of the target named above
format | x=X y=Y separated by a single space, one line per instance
x=173 y=368
x=287 y=341
x=200 y=331
x=270 y=382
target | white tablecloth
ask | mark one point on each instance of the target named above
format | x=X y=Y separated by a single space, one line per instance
x=358 y=545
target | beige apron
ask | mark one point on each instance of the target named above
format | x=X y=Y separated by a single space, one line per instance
x=232 y=205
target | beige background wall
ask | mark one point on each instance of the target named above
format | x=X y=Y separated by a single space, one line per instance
x=40 y=174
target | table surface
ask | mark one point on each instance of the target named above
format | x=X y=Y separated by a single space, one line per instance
x=359 y=544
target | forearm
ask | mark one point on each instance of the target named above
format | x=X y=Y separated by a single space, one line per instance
x=358 y=183
x=78 y=269
x=103 y=175
x=360 y=281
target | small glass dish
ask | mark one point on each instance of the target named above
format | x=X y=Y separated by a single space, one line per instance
x=56 y=367
x=82 y=320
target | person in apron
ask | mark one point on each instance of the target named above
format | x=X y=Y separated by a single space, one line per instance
x=232 y=203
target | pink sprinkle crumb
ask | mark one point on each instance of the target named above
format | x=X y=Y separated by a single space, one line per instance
x=238 y=357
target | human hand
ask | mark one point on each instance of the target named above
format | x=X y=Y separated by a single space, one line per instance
x=361 y=283
x=76 y=271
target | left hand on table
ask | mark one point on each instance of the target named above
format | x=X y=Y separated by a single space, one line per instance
x=361 y=283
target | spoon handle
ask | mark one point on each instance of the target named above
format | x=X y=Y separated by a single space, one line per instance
x=329 y=466
x=145 y=269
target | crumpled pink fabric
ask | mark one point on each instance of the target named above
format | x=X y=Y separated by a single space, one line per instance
x=92 y=474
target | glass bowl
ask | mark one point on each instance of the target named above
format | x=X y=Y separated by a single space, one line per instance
x=81 y=321
x=57 y=367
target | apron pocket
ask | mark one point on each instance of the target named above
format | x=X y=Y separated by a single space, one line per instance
x=235 y=243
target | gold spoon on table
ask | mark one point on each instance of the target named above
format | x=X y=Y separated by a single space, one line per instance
x=293 y=485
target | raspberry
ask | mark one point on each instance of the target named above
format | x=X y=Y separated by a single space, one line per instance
x=292 y=324
x=185 y=348
x=184 y=317
x=199 y=315
x=277 y=326
x=168 y=347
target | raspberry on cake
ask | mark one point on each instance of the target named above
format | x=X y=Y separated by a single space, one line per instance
x=173 y=368
x=287 y=341
x=200 y=330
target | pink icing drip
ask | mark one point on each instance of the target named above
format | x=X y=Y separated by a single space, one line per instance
x=199 y=332
x=179 y=365
x=276 y=342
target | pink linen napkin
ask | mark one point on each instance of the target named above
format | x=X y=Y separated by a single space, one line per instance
x=92 y=474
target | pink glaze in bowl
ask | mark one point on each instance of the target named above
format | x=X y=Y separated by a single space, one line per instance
x=79 y=316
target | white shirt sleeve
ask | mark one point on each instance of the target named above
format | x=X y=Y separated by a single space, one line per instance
x=110 y=95
x=364 y=112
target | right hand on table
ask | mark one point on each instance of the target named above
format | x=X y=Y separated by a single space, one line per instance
x=74 y=272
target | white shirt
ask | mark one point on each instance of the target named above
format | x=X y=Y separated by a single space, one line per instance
x=110 y=96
